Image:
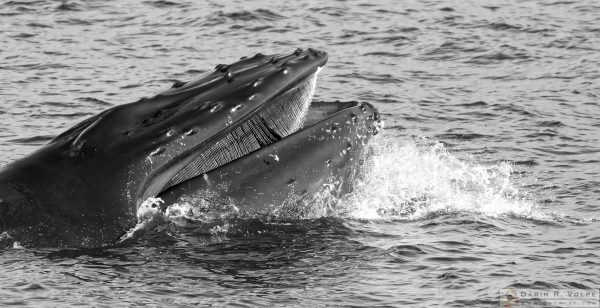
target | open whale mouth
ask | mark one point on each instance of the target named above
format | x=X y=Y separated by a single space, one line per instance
x=282 y=117
x=231 y=113
x=227 y=114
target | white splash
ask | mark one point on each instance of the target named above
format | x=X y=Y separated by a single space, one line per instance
x=149 y=216
x=199 y=211
x=412 y=178
x=7 y=241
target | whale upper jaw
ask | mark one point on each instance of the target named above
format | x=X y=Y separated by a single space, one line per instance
x=201 y=124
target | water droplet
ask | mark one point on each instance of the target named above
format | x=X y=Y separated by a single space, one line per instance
x=215 y=107
x=333 y=129
x=375 y=130
x=291 y=181
x=329 y=162
x=363 y=108
x=191 y=132
x=237 y=107
x=157 y=152
x=284 y=70
x=354 y=118
x=255 y=83
x=348 y=146
x=170 y=133
x=229 y=77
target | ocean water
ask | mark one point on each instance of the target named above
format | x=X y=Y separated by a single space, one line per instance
x=485 y=177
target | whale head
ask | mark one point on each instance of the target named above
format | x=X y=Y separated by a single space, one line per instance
x=85 y=185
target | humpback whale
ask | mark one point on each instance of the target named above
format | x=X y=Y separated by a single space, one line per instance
x=248 y=131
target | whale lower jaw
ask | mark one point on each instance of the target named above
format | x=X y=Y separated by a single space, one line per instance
x=329 y=151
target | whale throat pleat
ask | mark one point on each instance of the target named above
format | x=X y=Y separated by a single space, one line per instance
x=281 y=118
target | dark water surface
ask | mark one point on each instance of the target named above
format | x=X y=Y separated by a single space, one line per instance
x=485 y=178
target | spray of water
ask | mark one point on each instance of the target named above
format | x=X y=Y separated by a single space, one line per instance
x=407 y=179
x=417 y=178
